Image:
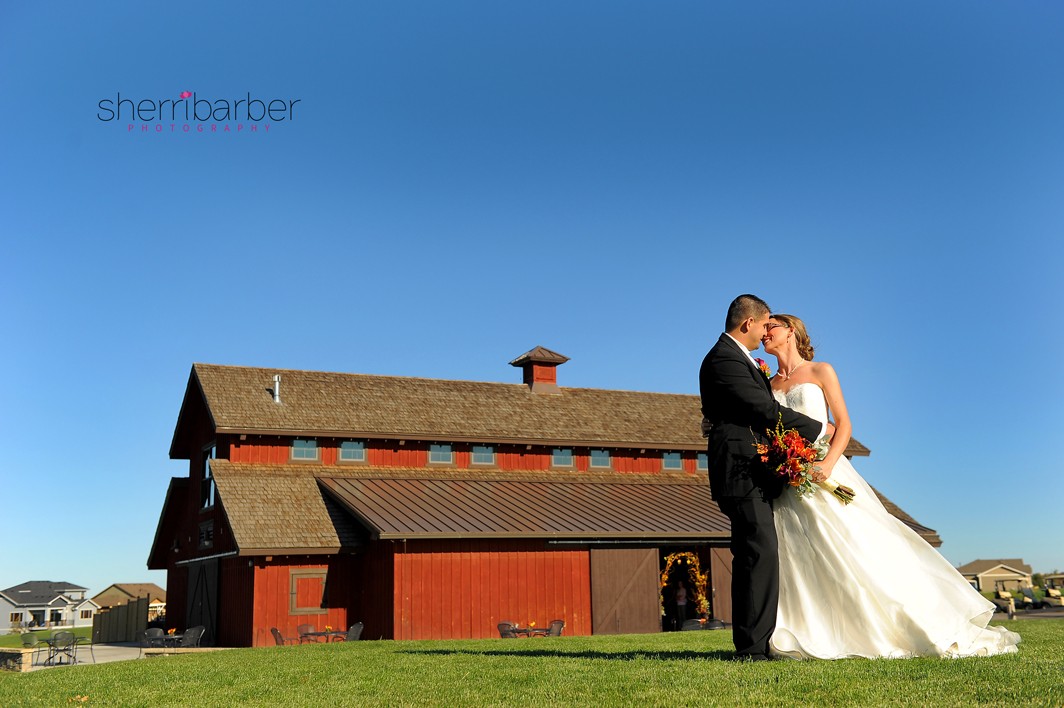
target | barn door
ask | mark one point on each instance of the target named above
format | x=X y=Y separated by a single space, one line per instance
x=624 y=591
x=720 y=574
x=202 y=596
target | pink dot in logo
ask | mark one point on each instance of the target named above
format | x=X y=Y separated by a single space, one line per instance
x=186 y=94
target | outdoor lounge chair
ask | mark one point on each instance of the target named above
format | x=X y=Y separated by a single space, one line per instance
x=281 y=639
x=1053 y=598
x=555 y=628
x=31 y=641
x=506 y=630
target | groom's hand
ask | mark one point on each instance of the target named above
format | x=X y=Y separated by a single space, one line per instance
x=706 y=427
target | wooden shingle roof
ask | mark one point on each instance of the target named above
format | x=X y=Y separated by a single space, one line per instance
x=280 y=510
x=313 y=403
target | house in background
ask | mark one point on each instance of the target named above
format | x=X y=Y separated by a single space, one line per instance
x=430 y=508
x=997 y=574
x=45 y=604
x=121 y=593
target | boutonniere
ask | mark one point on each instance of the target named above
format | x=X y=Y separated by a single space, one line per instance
x=764 y=368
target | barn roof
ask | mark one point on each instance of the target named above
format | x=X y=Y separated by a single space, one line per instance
x=240 y=400
x=313 y=509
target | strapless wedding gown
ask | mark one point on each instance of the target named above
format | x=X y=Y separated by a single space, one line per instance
x=857 y=582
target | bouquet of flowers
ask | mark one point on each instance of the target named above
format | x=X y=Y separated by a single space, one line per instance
x=792 y=458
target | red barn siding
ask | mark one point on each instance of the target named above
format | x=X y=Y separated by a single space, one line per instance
x=463 y=589
x=272 y=581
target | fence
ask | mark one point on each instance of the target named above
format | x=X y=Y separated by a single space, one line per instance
x=122 y=623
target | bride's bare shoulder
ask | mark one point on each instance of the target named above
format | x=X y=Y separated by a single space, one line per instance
x=823 y=371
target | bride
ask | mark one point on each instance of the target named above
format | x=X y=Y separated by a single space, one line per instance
x=855 y=581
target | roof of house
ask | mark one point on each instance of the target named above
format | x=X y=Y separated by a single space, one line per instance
x=38 y=592
x=977 y=567
x=322 y=404
x=278 y=509
x=133 y=590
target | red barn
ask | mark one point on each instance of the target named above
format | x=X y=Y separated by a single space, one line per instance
x=433 y=509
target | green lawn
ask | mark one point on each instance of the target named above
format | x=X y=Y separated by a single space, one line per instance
x=676 y=669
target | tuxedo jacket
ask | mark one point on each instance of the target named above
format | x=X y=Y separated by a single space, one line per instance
x=737 y=400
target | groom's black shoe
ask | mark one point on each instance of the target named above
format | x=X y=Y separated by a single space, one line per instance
x=751 y=657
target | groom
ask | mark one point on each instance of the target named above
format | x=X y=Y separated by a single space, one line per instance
x=737 y=401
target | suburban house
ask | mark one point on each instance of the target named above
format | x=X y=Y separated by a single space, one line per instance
x=46 y=604
x=429 y=508
x=997 y=574
x=121 y=593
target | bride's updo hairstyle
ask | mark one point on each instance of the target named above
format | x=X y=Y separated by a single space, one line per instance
x=801 y=337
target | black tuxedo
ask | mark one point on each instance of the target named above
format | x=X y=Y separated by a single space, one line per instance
x=737 y=400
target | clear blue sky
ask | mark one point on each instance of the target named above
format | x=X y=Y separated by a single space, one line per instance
x=463 y=181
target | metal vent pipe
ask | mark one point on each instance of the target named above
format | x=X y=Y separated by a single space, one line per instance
x=276 y=388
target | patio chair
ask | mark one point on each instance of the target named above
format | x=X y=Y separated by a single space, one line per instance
x=62 y=644
x=192 y=636
x=1053 y=598
x=353 y=633
x=89 y=642
x=555 y=628
x=281 y=639
x=506 y=630
x=31 y=641
x=304 y=631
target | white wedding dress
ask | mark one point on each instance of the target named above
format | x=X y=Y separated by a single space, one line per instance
x=857 y=582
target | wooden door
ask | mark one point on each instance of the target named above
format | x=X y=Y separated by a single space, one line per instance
x=720 y=575
x=202 y=596
x=624 y=591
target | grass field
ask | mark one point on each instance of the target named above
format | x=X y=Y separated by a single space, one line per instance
x=675 y=669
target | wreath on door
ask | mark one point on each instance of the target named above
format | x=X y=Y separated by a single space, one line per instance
x=689 y=561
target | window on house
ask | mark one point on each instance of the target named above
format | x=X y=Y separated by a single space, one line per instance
x=304 y=449
x=600 y=458
x=55 y=616
x=15 y=618
x=207 y=484
x=306 y=591
x=703 y=461
x=352 y=451
x=562 y=457
x=483 y=455
x=672 y=461
x=86 y=614
x=206 y=534
x=441 y=454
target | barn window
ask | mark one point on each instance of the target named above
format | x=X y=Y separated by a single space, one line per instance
x=672 y=461
x=600 y=458
x=562 y=457
x=483 y=455
x=440 y=454
x=207 y=482
x=703 y=461
x=304 y=449
x=352 y=451
x=206 y=535
x=306 y=591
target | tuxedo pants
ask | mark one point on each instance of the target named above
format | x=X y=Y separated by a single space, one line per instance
x=755 y=573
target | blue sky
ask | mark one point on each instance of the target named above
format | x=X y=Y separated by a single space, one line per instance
x=464 y=181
